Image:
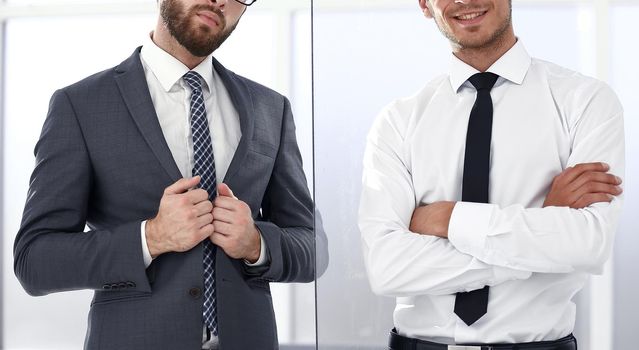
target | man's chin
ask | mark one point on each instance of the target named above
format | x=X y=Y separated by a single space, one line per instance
x=203 y=47
x=200 y=51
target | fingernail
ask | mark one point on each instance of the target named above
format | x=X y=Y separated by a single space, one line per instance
x=605 y=165
x=618 y=179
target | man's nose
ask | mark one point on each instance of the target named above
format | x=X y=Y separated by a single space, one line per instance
x=219 y=3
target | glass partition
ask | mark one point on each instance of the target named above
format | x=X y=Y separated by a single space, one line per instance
x=624 y=75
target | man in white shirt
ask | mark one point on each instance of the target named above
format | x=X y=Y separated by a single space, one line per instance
x=191 y=182
x=533 y=146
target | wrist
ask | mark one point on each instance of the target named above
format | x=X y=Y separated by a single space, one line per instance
x=447 y=212
x=254 y=253
x=152 y=243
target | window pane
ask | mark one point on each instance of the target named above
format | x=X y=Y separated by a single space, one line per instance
x=363 y=60
x=625 y=75
x=571 y=27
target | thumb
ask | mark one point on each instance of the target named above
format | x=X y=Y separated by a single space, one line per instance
x=224 y=190
x=182 y=185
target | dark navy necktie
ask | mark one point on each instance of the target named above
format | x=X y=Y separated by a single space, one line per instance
x=471 y=306
x=204 y=166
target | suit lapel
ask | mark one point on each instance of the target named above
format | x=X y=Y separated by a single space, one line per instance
x=130 y=78
x=243 y=103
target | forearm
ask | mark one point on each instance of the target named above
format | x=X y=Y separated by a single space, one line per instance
x=550 y=240
x=402 y=263
x=55 y=261
x=286 y=223
x=290 y=251
x=51 y=253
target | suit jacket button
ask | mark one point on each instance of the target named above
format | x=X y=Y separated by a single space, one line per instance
x=106 y=286
x=196 y=293
x=122 y=285
x=130 y=284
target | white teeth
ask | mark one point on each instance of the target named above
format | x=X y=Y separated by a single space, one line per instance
x=470 y=15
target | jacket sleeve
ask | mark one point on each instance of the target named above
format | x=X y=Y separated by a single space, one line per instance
x=288 y=214
x=52 y=253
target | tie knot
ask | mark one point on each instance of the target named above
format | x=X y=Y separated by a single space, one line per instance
x=193 y=79
x=483 y=81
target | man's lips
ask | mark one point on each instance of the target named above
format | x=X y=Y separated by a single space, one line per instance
x=470 y=17
x=209 y=17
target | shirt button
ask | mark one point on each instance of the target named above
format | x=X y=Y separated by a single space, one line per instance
x=196 y=293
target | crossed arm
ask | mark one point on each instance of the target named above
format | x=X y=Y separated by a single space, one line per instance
x=576 y=187
x=448 y=247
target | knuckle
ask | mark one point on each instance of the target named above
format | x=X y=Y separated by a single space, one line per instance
x=183 y=200
x=202 y=193
x=590 y=175
x=190 y=214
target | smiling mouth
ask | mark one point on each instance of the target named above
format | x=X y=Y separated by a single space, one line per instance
x=469 y=16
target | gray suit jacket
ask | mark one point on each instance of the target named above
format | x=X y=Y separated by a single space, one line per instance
x=102 y=161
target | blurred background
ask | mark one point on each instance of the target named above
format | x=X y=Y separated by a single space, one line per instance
x=365 y=54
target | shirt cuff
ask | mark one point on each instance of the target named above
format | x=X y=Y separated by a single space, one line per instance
x=262 y=260
x=469 y=226
x=146 y=254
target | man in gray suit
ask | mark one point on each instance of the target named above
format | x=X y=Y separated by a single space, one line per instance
x=173 y=266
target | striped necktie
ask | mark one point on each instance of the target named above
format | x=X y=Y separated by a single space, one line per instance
x=204 y=167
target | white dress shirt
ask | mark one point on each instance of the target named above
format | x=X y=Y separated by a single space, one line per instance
x=546 y=118
x=171 y=97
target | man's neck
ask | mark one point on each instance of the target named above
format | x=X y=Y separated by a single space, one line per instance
x=164 y=40
x=483 y=57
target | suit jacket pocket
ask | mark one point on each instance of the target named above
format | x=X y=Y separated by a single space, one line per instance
x=259 y=283
x=106 y=297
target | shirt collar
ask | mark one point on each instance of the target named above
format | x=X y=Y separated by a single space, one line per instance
x=169 y=70
x=513 y=66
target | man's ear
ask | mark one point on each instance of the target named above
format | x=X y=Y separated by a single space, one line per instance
x=424 y=5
